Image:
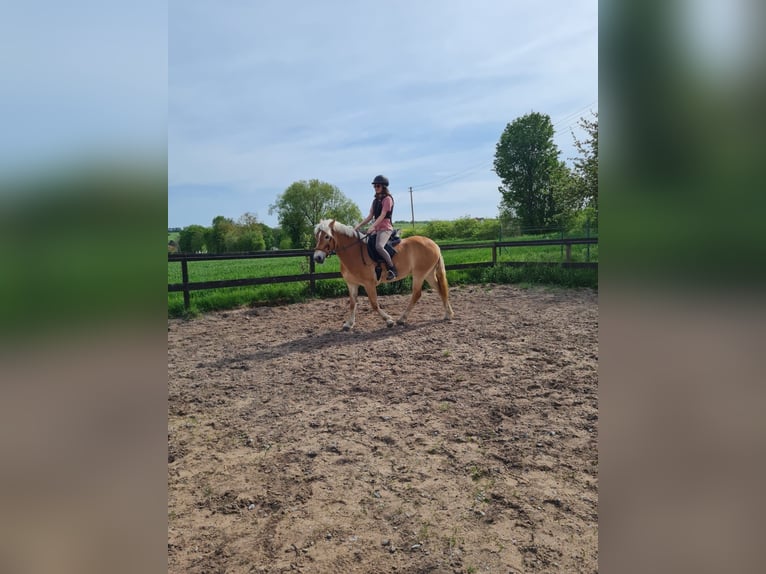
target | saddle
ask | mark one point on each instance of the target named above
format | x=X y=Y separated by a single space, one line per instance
x=392 y=242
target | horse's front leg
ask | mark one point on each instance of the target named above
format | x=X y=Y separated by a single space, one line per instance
x=372 y=294
x=353 y=292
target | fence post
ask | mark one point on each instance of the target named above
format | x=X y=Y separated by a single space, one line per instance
x=562 y=245
x=587 y=234
x=185 y=281
x=312 y=281
x=494 y=254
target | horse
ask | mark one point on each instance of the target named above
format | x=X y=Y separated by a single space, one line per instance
x=417 y=256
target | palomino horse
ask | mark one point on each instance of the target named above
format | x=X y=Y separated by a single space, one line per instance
x=417 y=256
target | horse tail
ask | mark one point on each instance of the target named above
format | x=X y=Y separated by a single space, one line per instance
x=441 y=278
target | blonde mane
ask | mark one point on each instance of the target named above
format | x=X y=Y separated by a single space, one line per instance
x=324 y=226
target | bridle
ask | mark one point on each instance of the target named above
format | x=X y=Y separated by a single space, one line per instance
x=359 y=240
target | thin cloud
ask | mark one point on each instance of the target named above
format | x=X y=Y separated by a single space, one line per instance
x=265 y=94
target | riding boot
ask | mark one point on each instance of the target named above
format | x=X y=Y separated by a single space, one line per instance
x=391 y=273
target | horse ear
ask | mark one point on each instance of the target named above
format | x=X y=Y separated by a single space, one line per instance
x=332 y=225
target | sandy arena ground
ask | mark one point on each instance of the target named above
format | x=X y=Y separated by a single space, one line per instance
x=441 y=447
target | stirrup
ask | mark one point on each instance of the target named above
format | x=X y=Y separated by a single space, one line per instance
x=391 y=275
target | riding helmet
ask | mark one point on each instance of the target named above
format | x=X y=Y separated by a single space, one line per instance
x=381 y=179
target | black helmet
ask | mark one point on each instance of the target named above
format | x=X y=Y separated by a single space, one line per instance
x=381 y=179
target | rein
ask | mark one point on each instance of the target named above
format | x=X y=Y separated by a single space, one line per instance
x=359 y=240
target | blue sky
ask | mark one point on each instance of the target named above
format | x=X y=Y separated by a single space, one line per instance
x=263 y=94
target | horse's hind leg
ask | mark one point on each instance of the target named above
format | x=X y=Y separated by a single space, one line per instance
x=438 y=278
x=372 y=294
x=417 y=291
x=353 y=292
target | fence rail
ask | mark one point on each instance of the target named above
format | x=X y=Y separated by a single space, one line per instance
x=312 y=276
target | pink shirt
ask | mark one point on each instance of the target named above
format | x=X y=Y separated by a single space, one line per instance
x=386 y=224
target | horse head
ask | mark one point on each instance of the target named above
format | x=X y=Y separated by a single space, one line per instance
x=325 y=240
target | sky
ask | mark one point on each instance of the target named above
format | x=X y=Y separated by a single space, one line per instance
x=264 y=94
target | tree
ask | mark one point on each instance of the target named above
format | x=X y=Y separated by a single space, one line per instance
x=228 y=236
x=268 y=236
x=247 y=235
x=306 y=203
x=526 y=160
x=217 y=235
x=586 y=166
x=565 y=196
x=191 y=239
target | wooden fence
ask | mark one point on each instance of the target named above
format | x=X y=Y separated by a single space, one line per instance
x=312 y=276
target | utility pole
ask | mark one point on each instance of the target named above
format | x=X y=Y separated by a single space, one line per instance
x=412 y=210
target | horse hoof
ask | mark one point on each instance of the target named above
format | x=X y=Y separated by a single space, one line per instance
x=389 y=323
x=346 y=327
x=401 y=321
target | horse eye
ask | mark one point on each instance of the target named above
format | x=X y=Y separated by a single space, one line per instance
x=327 y=237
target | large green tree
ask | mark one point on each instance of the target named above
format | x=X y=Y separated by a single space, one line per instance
x=565 y=196
x=247 y=235
x=192 y=238
x=306 y=203
x=222 y=228
x=526 y=160
x=586 y=165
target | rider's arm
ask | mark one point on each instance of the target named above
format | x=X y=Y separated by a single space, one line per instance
x=365 y=220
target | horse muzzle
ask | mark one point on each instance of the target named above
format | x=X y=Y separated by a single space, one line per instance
x=319 y=256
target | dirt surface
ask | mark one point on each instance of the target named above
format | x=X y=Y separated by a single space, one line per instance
x=455 y=447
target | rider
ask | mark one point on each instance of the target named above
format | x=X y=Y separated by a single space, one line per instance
x=381 y=211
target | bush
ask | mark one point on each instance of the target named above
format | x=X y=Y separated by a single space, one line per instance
x=488 y=230
x=584 y=221
x=437 y=230
x=546 y=275
x=465 y=228
x=244 y=240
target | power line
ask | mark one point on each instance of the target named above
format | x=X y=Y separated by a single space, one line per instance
x=572 y=117
x=453 y=177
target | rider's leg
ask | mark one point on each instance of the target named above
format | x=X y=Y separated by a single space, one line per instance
x=380 y=245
